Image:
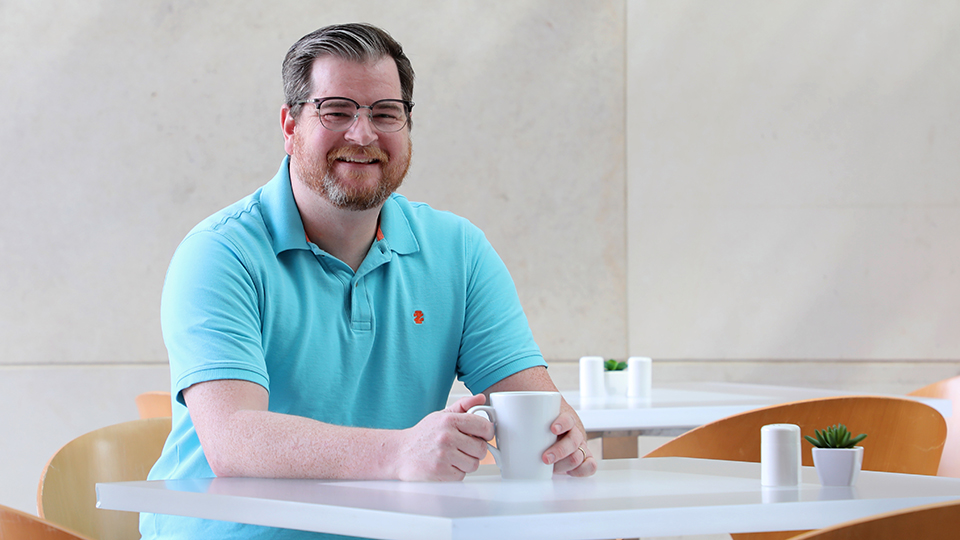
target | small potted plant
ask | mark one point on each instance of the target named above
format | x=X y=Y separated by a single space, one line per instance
x=836 y=455
x=615 y=377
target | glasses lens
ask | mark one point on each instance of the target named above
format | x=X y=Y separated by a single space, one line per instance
x=388 y=116
x=337 y=114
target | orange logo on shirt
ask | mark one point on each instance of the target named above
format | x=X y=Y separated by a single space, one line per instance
x=418 y=317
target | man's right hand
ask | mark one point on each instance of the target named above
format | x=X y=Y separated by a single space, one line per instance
x=446 y=445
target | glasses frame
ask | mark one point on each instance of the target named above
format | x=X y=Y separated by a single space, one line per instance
x=407 y=107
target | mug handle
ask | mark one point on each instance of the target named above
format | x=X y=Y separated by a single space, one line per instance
x=491 y=414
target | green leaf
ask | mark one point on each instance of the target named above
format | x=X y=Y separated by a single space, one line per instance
x=836 y=436
x=613 y=365
x=845 y=440
x=812 y=441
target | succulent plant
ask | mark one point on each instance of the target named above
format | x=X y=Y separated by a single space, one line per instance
x=613 y=365
x=835 y=437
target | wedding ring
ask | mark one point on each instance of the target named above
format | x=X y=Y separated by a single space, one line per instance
x=580 y=448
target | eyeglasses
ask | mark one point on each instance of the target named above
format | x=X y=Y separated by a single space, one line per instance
x=339 y=113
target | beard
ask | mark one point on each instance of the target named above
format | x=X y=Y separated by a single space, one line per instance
x=350 y=191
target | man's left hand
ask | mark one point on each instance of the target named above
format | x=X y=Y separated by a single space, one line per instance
x=569 y=455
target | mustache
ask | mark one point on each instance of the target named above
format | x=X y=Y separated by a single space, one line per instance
x=364 y=152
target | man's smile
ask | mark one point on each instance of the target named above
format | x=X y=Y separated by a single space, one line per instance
x=363 y=155
x=358 y=160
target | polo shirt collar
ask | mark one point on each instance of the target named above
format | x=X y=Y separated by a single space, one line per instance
x=282 y=218
x=280 y=213
x=395 y=226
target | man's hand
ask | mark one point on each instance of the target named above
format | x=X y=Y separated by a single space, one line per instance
x=446 y=445
x=570 y=454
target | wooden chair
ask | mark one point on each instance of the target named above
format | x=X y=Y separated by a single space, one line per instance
x=938 y=521
x=947 y=389
x=904 y=436
x=17 y=525
x=121 y=452
x=154 y=404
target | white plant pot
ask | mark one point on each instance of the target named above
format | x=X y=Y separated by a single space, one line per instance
x=838 y=466
x=615 y=383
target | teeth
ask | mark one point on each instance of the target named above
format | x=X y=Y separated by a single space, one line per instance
x=359 y=160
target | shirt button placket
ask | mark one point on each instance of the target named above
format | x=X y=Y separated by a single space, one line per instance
x=361 y=315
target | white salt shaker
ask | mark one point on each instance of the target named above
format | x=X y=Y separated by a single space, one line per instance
x=780 y=455
x=639 y=377
x=591 y=378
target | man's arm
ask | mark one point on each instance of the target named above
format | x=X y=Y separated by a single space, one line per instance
x=565 y=455
x=240 y=437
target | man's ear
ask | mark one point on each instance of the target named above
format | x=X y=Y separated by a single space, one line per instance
x=288 y=124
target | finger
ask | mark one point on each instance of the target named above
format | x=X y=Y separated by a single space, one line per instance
x=474 y=425
x=449 y=473
x=463 y=463
x=474 y=447
x=564 y=447
x=587 y=467
x=464 y=451
x=454 y=453
x=564 y=423
x=580 y=456
x=464 y=404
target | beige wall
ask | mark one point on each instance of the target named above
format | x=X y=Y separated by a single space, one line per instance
x=782 y=203
x=793 y=177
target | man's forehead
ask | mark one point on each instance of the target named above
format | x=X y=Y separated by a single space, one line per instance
x=380 y=74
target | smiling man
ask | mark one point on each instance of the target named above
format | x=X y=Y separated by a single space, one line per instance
x=315 y=328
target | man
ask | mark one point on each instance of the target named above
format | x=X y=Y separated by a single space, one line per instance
x=315 y=327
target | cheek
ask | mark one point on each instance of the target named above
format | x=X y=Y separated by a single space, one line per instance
x=400 y=151
x=312 y=142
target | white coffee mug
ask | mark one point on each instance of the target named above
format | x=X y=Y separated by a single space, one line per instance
x=522 y=422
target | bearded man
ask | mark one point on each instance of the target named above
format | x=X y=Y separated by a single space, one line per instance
x=315 y=328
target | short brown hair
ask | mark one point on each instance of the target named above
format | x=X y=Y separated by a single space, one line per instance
x=359 y=42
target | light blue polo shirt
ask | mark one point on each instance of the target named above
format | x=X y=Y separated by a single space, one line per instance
x=248 y=297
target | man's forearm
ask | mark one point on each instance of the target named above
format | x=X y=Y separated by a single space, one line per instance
x=240 y=437
x=266 y=444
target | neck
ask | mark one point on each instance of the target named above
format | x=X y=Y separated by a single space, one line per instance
x=345 y=234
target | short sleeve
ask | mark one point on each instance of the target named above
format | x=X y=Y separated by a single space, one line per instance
x=210 y=314
x=496 y=341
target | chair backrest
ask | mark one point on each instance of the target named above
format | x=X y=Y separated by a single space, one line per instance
x=154 y=404
x=947 y=389
x=938 y=521
x=903 y=435
x=17 y=525
x=117 y=453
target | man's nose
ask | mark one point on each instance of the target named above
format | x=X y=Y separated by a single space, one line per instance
x=362 y=131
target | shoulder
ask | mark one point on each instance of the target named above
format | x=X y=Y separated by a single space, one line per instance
x=235 y=236
x=240 y=226
x=237 y=220
x=426 y=221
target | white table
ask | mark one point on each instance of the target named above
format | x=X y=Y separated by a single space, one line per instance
x=676 y=408
x=626 y=498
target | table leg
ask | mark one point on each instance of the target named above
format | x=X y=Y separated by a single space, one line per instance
x=620 y=447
